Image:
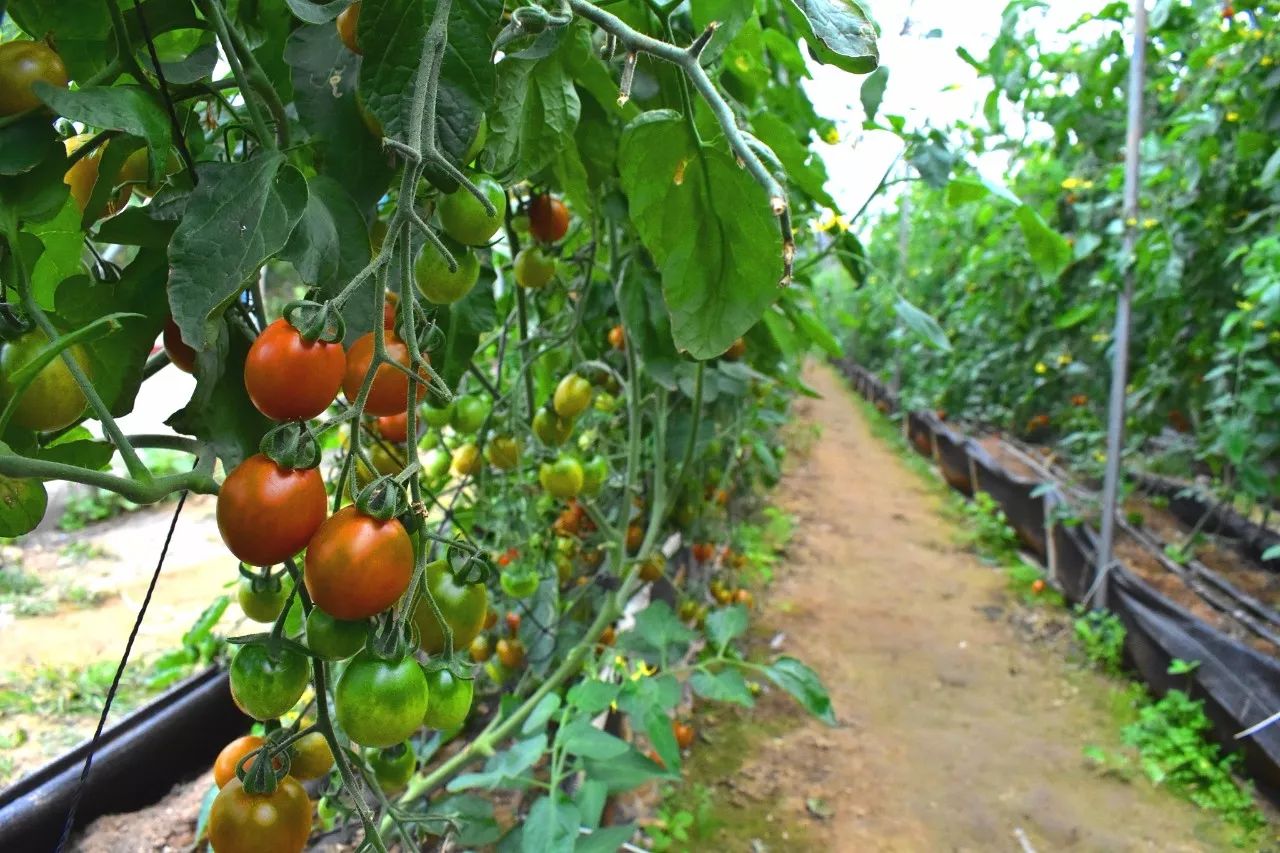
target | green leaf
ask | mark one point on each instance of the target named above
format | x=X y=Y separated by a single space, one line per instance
x=38 y=193
x=541 y=714
x=605 y=840
x=709 y=228
x=326 y=248
x=473 y=815
x=657 y=630
x=839 y=33
x=317 y=13
x=24 y=144
x=591 y=798
x=82 y=452
x=83 y=31
x=1050 y=251
x=1073 y=317
x=61 y=259
x=728 y=685
x=872 y=92
x=536 y=114
x=730 y=15
x=808 y=323
x=626 y=772
x=804 y=686
x=551 y=826
x=324 y=75
x=582 y=738
x=463 y=323
x=239 y=215
x=804 y=169
x=391 y=33
x=725 y=625
x=922 y=324
x=657 y=725
x=504 y=768
x=22 y=503
x=131 y=109
x=592 y=697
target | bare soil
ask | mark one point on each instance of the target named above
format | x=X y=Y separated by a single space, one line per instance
x=961 y=723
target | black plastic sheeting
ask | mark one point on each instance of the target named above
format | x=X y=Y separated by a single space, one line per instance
x=920 y=428
x=137 y=762
x=1238 y=685
x=1190 y=507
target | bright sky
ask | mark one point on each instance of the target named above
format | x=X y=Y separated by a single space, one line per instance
x=928 y=82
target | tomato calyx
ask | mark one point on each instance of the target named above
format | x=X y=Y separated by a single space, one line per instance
x=291 y=445
x=316 y=322
x=262 y=776
x=383 y=499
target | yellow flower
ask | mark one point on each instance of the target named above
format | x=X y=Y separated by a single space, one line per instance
x=1041 y=368
x=1064 y=359
x=1131 y=222
x=1101 y=337
x=643 y=670
x=1071 y=183
x=1233 y=116
x=1267 y=62
x=831 y=137
x=1259 y=325
x=1244 y=305
x=1099 y=456
x=831 y=221
x=1087 y=185
x=1149 y=223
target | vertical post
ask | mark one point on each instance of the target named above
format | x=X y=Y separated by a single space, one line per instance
x=904 y=249
x=1124 y=305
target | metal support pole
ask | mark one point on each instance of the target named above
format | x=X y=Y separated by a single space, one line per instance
x=1124 y=305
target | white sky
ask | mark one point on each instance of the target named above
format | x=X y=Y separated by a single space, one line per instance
x=928 y=82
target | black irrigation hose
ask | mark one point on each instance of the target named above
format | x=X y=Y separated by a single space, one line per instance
x=115 y=682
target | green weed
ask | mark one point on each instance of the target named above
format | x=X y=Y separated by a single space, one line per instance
x=686 y=815
x=1101 y=635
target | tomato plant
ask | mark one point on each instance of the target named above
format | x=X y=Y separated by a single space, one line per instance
x=506 y=222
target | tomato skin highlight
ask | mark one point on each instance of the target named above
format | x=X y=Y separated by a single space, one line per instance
x=21 y=64
x=267 y=513
x=279 y=822
x=290 y=379
x=380 y=702
x=548 y=218
x=389 y=394
x=52 y=400
x=358 y=566
x=464 y=608
x=180 y=355
x=264 y=687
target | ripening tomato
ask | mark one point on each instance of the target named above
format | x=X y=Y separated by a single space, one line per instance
x=745 y=598
x=311 y=757
x=702 y=551
x=736 y=350
x=264 y=685
x=394 y=428
x=437 y=283
x=357 y=566
x=562 y=478
x=180 y=355
x=279 y=822
x=462 y=605
x=389 y=394
x=534 y=268
x=262 y=600
x=466 y=460
x=511 y=652
x=335 y=639
x=224 y=766
x=135 y=169
x=635 y=537
x=464 y=218
x=618 y=338
x=572 y=397
x=289 y=378
x=503 y=452
x=651 y=568
x=21 y=64
x=380 y=702
x=267 y=513
x=52 y=400
x=548 y=218
x=393 y=767
x=347 y=22
x=479 y=650
x=551 y=429
x=469 y=413
x=83 y=175
x=684 y=733
x=513 y=622
x=450 y=700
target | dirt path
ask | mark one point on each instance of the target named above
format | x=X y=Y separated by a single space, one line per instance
x=954 y=732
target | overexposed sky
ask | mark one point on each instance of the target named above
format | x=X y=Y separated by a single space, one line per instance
x=928 y=82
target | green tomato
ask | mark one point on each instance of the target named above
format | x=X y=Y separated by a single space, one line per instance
x=520 y=583
x=551 y=429
x=52 y=400
x=264 y=687
x=464 y=218
x=437 y=283
x=605 y=403
x=469 y=413
x=437 y=418
x=436 y=463
x=463 y=606
x=562 y=478
x=392 y=767
x=503 y=452
x=534 y=268
x=594 y=473
x=380 y=702
x=335 y=639
x=263 y=599
x=572 y=396
x=451 y=698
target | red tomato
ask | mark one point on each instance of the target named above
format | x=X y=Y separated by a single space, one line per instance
x=548 y=218
x=394 y=428
x=358 y=566
x=267 y=513
x=390 y=392
x=180 y=355
x=290 y=379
